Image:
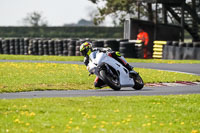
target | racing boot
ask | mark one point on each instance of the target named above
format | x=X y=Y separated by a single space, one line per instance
x=98 y=83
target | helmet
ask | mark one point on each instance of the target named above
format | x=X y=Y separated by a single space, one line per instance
x=86 y=48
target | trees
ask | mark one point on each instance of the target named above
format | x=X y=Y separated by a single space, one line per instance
x=34 y=19
x=117 y=9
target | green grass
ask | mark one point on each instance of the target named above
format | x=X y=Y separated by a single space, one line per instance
x=80 y=58
x=42 y=58
x=136 y=114
x=17 y=77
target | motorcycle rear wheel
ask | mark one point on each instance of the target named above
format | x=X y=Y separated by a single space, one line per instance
x=139 y=84
x=110 y=81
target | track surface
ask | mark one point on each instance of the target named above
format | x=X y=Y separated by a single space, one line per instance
x=148 y=91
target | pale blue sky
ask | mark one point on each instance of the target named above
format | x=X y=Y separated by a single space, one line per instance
x=56 y=12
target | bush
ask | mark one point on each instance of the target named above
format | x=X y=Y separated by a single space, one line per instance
x=62 y=32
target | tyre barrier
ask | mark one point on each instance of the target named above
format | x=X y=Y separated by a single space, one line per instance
x=12 y=46
x=181 y=50
x=35 y=49
x=21 y=44
x=65 y=47
x=158 y=49
x=71 y=48
x=127 y=49
x=77 y=49
x=26 y=45
x=60 y=47
x=17 y=46
x=139 y=52
x=113 y=44
x=1 y=50
x=5 y=46
x=97 y=44
x=40 y=48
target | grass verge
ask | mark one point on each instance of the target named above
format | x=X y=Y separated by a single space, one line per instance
x=80 y=58
x=16 y=77
x=138 y=114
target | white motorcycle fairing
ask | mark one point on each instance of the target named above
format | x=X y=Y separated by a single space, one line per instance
x=97 y=59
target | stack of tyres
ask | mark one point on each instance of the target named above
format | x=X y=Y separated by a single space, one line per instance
x=51 y=47
x=127 y=49
x=60 y=47
x=113 y=44
x=65 y=47
x=40 y=47
x=26 y=45
x=21 y=44
x=96 y=44
x=1 y=50
x=5 y=46
x=78 y=44
x=35 y=49
x=45 y=47
x=30 y=48
x=17 y=46
x=56 y=46
x=12 y=46
x=139 y=53
x=71 y=48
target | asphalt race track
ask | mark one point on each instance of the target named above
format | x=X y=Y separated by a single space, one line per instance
x=147 y=91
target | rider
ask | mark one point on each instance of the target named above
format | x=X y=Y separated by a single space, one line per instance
x=86 y=50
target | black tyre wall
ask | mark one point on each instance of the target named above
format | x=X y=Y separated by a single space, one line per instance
x=1 y=50
x=17 y=46
x=12 y=46
x=113 y=44
x=5 y=46
x=65 y=47
x=26 y=45
x=51 y=47
x=98 y=44
x=40 y=47
x=45 y=47
x=21 y=44
x=71 y=48
x=127 y=49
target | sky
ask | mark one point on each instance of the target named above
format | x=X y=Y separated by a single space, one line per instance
x=55 y=12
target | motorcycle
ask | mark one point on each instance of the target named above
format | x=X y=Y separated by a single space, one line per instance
x=113 y=73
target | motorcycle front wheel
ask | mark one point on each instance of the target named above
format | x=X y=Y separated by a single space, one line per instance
x=110 y=80
x=139 y=84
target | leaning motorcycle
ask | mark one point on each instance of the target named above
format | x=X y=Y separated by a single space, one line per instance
x=113 y=73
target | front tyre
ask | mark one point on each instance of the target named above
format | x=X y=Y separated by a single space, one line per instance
x=110 y=80
x=139 y=84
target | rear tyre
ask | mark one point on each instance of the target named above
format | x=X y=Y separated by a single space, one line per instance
x=139 y=84
x=110 y=80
